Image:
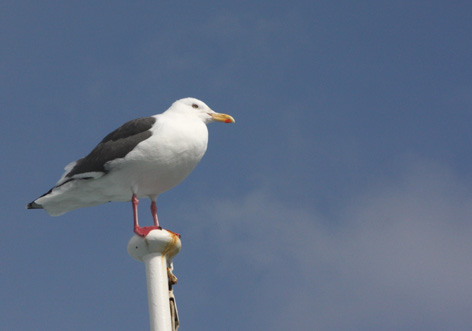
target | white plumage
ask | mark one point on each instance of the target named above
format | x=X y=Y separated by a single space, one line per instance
x=143 y=158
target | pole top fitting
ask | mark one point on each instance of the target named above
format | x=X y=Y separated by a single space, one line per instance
x=162 y=242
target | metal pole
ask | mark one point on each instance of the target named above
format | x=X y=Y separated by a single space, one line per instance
x=156 y=250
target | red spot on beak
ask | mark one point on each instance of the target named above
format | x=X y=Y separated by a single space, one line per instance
x=228 y=121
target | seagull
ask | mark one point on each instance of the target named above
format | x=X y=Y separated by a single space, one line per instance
x=141 y=159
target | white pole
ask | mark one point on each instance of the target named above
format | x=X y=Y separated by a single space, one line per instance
x=156 y=250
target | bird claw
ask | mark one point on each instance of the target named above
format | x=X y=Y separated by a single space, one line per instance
x=175 y=233
x=144 y=231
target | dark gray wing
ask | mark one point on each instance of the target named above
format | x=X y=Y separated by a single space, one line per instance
x=115 y=145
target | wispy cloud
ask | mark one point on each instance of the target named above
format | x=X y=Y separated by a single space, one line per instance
x=396 y=256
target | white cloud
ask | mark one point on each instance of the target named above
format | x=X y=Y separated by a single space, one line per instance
x=398 y=257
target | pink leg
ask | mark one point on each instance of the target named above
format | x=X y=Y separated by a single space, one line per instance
x=135 y=202
x=154 y=216
x=154 y=213
x=142 y=231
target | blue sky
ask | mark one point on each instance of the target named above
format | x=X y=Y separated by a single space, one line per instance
x=340 y=200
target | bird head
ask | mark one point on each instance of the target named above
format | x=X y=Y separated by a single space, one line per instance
x=195 y=107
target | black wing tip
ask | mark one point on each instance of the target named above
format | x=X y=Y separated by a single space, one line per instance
x=33 y=205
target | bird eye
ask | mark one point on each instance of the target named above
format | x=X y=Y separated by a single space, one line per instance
x=195 y=105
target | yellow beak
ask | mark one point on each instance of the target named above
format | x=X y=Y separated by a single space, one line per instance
x=222 y=117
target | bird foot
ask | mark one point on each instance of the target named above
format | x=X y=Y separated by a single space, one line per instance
x=144 y=231
x=174 y=233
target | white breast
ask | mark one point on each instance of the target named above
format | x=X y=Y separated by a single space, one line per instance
x=162 y=161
